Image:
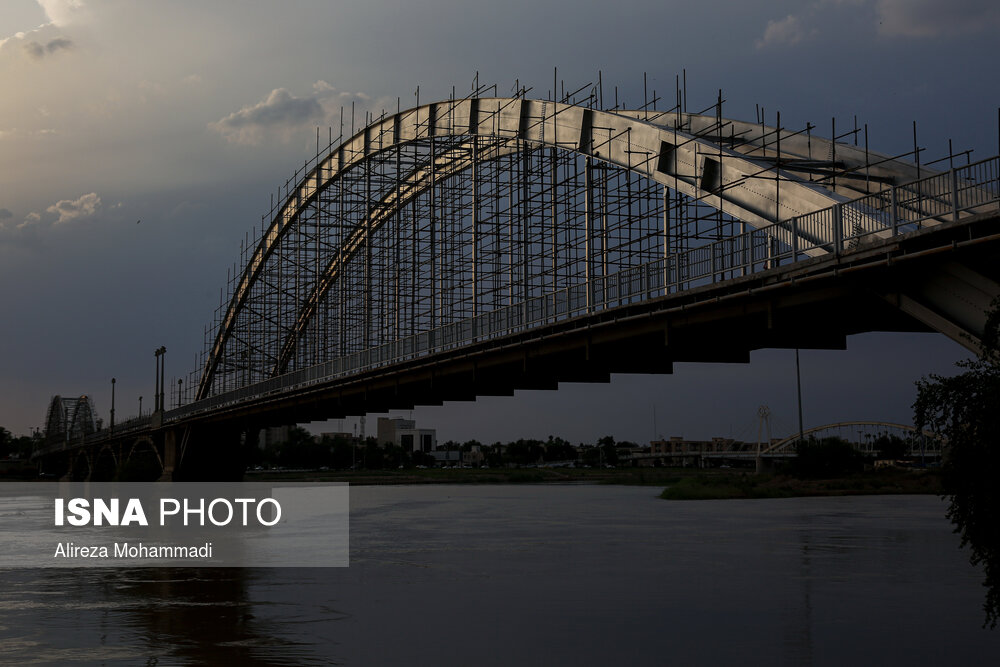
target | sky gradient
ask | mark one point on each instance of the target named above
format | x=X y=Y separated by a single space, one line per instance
x=188 y=115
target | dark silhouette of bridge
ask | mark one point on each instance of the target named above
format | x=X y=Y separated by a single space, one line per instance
x=476 y=246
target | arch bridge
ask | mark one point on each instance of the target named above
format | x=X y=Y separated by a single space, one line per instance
x=919 y=443
x=474 y=246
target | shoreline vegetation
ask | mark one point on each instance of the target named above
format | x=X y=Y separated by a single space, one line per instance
x=677 y=483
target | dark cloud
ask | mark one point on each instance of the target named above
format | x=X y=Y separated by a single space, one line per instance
x=37 y=51
x=5 y=214
x=57 y=44
x=932 y=18
x=34 y=50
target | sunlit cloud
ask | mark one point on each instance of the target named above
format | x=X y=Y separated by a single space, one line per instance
x=63 y=12
x=69 y=210
x=281 y=114
x=35 y=225
x=47 y=38
x=784 y=32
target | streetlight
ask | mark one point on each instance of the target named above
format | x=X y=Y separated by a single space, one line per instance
x=159 y=399
x=140 y=406
x=179 y=384
x=112 y=426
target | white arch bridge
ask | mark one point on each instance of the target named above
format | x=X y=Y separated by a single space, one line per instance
x=474 y=246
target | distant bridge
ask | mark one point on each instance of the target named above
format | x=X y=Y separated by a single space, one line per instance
x=475 y=246
x=919 y=445
x=919 y=442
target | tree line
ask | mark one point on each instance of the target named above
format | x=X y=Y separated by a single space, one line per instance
x=303 y=450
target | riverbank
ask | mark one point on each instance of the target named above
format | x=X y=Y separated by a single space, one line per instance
x=628 y=476
x=677 y=483
x=888 y=481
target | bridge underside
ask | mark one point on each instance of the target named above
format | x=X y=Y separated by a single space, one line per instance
x=812 y=304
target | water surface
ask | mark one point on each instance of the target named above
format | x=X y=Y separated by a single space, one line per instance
x=542 y=575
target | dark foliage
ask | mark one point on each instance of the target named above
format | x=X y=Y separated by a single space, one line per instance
x=890 y=446
x=965 y=409
x=829 y=457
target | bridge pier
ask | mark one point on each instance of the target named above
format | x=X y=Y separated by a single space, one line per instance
x=170 y=447
x=208 y=453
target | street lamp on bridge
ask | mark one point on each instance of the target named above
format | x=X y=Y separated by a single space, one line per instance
x=159 y=395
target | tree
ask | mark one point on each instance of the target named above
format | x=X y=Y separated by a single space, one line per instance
x=608 y=450
x=965 y=409
x=829 y=457
x=890 y=446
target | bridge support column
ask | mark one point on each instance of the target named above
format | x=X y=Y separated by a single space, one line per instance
x=170 y=449
x=210 y=455
x=952 y=299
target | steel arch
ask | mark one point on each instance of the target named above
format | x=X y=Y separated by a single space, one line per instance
x=755 y=173
x=909 y=428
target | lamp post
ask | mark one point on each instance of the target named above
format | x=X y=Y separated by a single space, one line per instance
x=140 y=406
x=112 y=425
x=159 y=395
x=180 y=383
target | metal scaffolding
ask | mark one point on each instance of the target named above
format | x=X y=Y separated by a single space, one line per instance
x=445 y=213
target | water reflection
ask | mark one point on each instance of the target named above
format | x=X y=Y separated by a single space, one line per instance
x=149 y=616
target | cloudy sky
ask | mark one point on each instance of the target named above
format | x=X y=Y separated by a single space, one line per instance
x=187 y=115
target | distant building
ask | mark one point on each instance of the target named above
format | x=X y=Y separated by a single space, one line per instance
x=473 y=457
x=679 y=451
x=388 y=427
x=404 y=433
x=677 y=445
x=446 y=457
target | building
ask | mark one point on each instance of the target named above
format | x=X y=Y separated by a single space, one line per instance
x=388 y=427
x=474 y=457
x=677 y=446
x=344 y=436
x=447 y=458
x=404 y=433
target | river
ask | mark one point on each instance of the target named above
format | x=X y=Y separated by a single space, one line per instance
x=543 y=575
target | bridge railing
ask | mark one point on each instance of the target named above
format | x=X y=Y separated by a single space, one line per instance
x=129 y=426
x=895 y=210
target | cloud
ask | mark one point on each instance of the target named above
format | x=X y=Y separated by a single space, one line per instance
x=891 y=18
x=69 y=210
x=936 y=18
x=282 y=114
x=18 y=230
x=5 y=214
x=37 y=51
x=785 y=32
x=63 y=12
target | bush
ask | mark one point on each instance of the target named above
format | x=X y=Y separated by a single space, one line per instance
x=829 y=457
